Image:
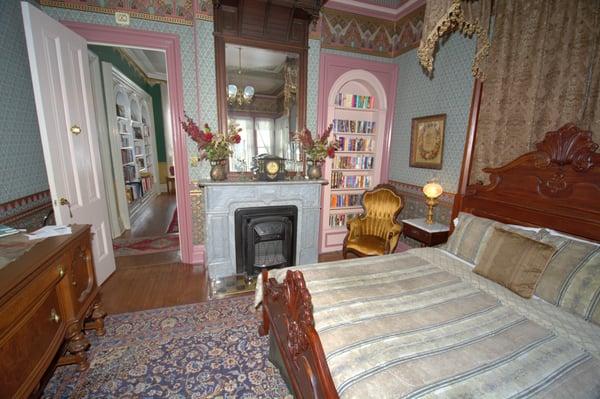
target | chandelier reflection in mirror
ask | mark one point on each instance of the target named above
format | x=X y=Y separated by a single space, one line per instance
x=236 y=96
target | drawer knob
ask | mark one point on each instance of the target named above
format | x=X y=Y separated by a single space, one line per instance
x=54 y=316
x=61 y=271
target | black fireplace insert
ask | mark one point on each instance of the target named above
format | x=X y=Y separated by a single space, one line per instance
x=265 y=237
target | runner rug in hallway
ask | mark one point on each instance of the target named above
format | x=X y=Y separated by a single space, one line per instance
x=205 y=350
x=145 y=245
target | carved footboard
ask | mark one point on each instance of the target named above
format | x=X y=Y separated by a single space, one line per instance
x=287 y=312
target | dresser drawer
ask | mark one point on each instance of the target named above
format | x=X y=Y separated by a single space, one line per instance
x=27 y=350
x=415 y=233
x=18 y=305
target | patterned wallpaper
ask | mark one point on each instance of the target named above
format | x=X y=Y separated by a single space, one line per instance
x=207 y=90
x=22 y=170
x=312 y=86
x=356 y=33
x=448 y=92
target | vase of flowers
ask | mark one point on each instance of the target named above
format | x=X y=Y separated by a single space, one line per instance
x=215 y=147
x=318 y=150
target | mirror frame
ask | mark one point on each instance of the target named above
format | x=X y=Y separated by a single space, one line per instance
x=221 y=73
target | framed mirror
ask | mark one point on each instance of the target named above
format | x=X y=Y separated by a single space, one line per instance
x=261 y=88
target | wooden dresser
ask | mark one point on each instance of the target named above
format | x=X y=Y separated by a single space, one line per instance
x=48 y=296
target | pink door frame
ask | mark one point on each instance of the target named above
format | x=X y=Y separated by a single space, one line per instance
x=101 y=34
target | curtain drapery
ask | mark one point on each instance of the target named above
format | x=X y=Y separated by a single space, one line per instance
x=544 y=71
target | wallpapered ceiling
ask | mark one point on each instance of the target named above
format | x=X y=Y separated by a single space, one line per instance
x=448 y=92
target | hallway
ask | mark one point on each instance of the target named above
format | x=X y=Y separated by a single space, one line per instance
x=155 y=219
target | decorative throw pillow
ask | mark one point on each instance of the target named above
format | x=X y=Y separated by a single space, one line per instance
x=472 y=233
x=572 y=279
x=514 y=261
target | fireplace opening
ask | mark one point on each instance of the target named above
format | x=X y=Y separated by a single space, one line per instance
x=265 y=237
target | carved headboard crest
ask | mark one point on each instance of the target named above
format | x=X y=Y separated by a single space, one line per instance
x=556 y=186
x=567 y=145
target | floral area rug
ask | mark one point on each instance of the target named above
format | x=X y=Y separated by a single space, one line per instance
x=145 y=245
x=205 y=350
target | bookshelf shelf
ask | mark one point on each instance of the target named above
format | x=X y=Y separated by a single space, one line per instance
x=357 y=109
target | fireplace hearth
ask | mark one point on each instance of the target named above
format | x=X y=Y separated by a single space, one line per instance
x=265 y=237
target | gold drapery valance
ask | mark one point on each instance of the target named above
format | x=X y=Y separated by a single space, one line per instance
x=442 y=17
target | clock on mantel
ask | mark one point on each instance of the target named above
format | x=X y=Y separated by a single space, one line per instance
x=270 y=168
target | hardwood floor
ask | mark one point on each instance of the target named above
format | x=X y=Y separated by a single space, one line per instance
x=159 y=280
x=155 y=219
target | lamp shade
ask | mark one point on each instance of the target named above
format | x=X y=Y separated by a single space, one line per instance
x=432 y=190
x=232 y=90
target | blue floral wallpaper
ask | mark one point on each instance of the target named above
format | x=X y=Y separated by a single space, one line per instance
x=448 y=92
x=22 y=170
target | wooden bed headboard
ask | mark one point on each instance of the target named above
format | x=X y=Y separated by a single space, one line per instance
x=557 y=186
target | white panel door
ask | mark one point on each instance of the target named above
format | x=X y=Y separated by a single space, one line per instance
x=61 y=84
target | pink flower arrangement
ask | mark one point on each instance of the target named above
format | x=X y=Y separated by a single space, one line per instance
x=322 y=147
x=212 y=146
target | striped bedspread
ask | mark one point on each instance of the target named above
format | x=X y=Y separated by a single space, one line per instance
x=421 y=324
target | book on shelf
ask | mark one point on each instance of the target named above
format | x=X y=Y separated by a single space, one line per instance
x=353 y=162
x=345 y=200
x=353 y=126
x=339 y=180
x=355 y=144
x=355 y=101
x=340 y=219
x=129 y=172
x=125 y=141
x=126 y=155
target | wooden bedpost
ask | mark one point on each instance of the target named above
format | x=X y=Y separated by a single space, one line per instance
x=469 y=150
x=289 y=317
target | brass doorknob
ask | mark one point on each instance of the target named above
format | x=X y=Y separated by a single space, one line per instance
x=75 y=129
x=61 y=270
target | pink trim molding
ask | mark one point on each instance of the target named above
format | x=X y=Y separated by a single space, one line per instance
x=101 y=34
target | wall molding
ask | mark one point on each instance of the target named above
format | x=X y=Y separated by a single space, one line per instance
x=185 y=16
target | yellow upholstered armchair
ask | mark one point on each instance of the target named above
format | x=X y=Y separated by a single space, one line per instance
x=376 y=231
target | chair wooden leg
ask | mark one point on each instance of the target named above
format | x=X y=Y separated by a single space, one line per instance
x=344 y=253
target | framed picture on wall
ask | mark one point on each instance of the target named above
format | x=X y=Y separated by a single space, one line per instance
x=427 y=141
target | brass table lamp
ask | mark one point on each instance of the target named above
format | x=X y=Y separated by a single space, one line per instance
x=432 y=191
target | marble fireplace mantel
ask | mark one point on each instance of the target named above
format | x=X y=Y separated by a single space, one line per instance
x=222 y=199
